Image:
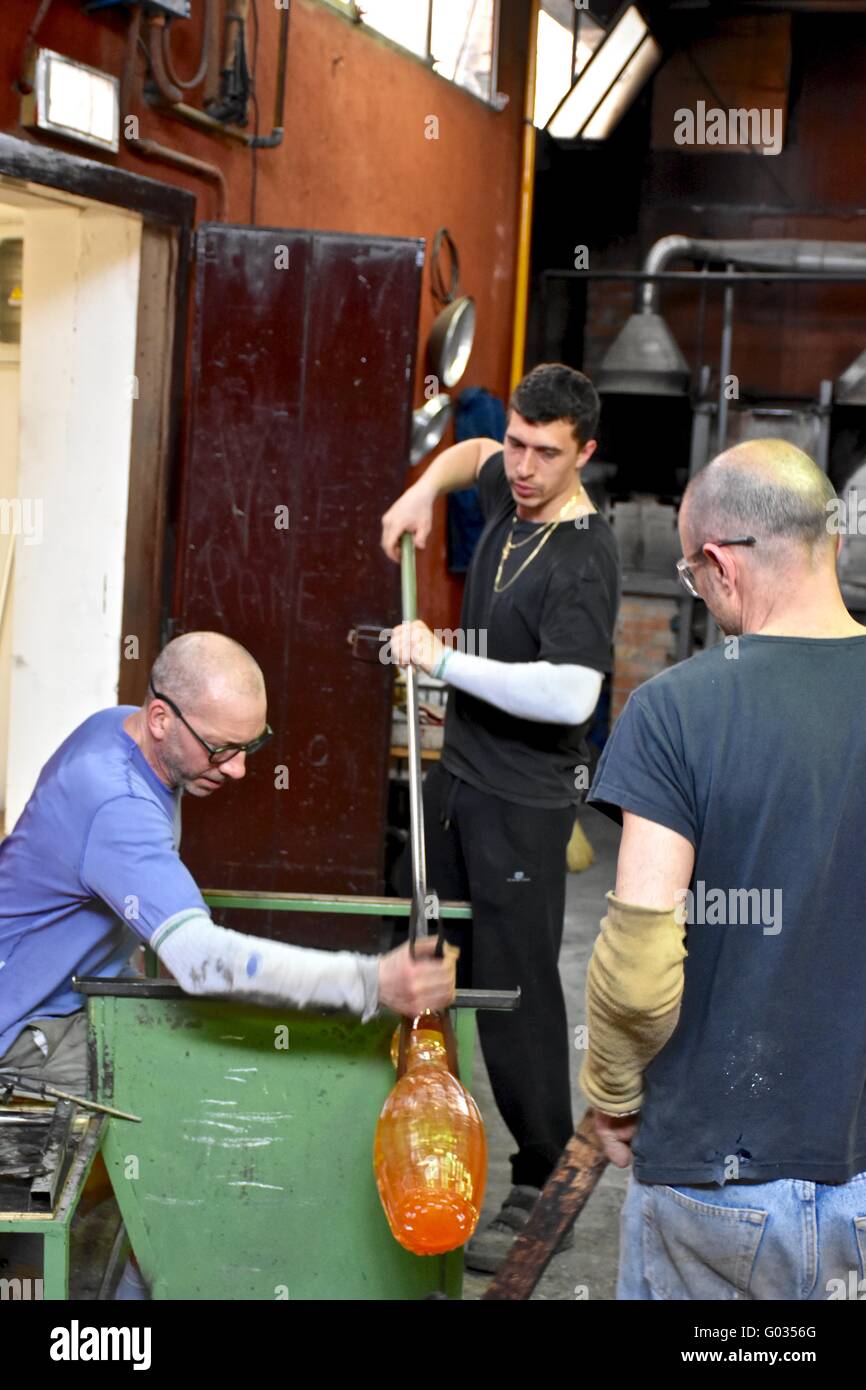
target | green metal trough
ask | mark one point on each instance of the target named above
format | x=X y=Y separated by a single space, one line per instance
x=250 y=1175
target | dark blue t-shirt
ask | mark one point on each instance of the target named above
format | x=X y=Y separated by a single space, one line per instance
x=90 y=869
x=755 y=751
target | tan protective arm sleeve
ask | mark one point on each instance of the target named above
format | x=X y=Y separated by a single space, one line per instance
x=634 y=988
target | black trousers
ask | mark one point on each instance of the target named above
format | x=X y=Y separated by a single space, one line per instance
x=508 y=861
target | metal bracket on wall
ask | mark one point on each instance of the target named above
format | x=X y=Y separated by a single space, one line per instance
x=366 y=640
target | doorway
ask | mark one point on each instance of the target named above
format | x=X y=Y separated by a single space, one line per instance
x=88 y=329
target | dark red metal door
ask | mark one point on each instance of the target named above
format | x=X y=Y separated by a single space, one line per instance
x=301 y=391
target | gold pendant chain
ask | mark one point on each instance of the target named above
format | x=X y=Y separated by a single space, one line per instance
x=500 y=588
x=533 y=535
x=510 y=545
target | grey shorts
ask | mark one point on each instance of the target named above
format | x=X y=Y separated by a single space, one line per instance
x=52 y=1050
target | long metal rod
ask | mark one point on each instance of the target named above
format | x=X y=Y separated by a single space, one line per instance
x=725 y=367
x=724 y=277
x=345 y=904
x=501 y=999
x=417 y=917
x=713 y=632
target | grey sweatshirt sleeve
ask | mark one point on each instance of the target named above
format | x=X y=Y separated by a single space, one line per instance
x=209 y=960
x=540 y=690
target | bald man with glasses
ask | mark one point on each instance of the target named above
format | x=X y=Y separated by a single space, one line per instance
x=91 y=871
x=727 y=1042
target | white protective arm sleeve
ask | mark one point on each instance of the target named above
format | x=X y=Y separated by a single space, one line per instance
x=207 y=959
x=537 y=690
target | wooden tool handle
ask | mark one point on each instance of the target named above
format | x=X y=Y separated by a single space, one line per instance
x=563 y=1198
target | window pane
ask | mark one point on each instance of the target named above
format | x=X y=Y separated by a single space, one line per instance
x=463 y=43
x=589 y=36
x=404 y=21
x=553 y=74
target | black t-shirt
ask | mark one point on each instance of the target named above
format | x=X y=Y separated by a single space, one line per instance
x=561 y=609
x=755 y=751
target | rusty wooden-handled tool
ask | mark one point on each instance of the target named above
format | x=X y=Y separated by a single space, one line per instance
x=563 y=1198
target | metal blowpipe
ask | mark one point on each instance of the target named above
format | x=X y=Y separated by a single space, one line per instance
x=42 y=1088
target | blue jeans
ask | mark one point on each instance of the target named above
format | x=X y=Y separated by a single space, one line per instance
x=787 y=1239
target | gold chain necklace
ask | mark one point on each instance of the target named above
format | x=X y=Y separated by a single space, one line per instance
x=548 y=530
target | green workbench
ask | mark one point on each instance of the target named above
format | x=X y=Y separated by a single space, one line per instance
x=55 y=1226
x=251 y=1174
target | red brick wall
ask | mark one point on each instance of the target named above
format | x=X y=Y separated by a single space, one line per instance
x=645 y=645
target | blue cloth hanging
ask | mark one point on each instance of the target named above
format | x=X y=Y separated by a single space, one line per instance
x=478 y=414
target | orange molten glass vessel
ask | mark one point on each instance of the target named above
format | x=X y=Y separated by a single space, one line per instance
x=430 y=1157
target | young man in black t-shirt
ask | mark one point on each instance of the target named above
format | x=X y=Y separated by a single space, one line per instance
x=540 y=602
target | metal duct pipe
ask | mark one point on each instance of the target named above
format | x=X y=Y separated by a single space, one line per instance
x=644 y=358
x=810 y=257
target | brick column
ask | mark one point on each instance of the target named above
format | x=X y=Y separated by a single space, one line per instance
x=644 y=644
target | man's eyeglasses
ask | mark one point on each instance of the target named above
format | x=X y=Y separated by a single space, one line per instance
x=687 y=563
x=223 y=752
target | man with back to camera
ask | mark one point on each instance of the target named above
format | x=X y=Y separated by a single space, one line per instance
x=543 y=588
x=92 y=869
x=735 y=1075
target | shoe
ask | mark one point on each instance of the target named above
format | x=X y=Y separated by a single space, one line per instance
x=487 y=1250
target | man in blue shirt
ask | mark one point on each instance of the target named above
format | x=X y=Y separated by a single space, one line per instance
x=92 y=869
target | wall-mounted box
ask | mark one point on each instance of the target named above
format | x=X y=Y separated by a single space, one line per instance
x=73 y=100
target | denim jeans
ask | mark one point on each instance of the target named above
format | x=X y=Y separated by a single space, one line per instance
x=787 y=1239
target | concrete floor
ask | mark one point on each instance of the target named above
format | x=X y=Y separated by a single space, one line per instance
x=588 y=1270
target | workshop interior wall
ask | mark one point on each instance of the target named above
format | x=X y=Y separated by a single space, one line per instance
x=785 y=340
x=355 y=158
